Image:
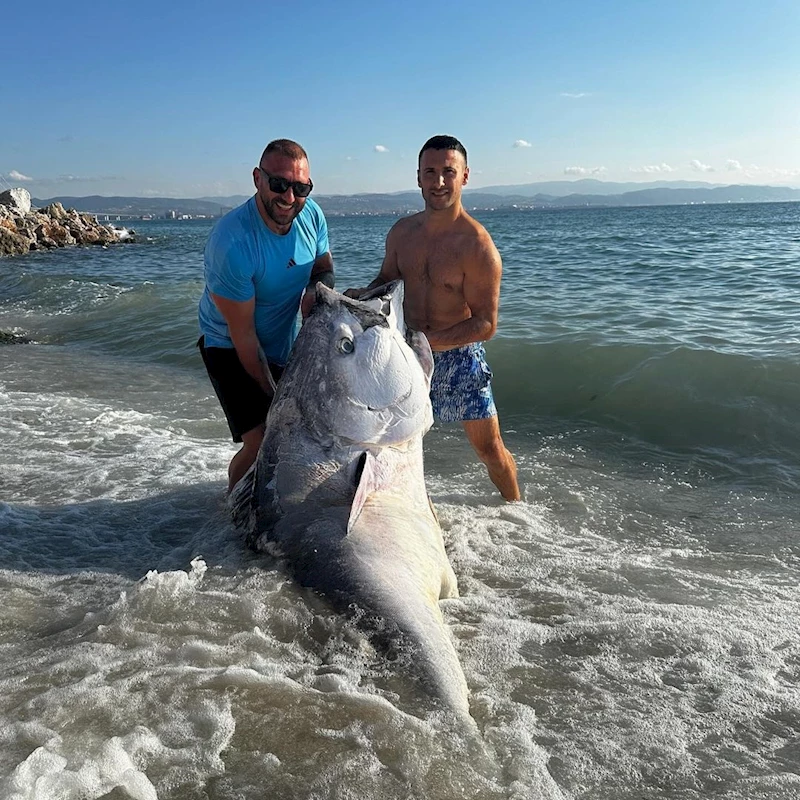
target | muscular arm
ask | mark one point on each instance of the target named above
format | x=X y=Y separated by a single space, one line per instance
x=322 y=264
x=242 y=329
x=482 y=272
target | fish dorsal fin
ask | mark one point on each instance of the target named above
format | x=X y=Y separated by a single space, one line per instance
x=240 y=500
x=373 y=473
x=252 y=503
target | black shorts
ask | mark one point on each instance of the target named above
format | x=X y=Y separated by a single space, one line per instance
x=244 y=402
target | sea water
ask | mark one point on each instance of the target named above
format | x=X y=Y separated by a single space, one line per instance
x=628 y=630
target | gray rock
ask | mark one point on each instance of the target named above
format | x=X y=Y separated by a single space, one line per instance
x=9 y=337
x=18 y=198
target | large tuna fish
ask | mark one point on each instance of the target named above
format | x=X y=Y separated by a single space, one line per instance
x=338 y=488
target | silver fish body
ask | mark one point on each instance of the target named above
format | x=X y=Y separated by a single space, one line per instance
x=338 y=489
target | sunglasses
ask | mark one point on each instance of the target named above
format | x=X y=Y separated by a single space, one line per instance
x=281 y=185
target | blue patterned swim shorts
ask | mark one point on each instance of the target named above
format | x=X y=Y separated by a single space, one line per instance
x=461 y=384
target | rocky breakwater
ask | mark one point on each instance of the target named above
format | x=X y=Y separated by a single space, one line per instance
x=23 y=228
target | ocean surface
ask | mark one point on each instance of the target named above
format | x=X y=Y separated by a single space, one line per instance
x=630 y=630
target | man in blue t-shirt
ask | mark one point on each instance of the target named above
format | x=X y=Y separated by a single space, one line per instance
x=259 y=259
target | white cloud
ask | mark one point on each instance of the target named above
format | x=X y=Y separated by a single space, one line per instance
x=651 y=169
x=379 y=148
x=784 y=173
x=698 y=166
x=575 y=95
x=584 y=170
x=746 y=171
x=522 y=143
x=18 y=176
x=86 y=178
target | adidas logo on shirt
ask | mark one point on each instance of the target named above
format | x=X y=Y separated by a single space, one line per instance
x=292 y=263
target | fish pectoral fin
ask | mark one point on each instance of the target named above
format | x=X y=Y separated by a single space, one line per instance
x=372 y=474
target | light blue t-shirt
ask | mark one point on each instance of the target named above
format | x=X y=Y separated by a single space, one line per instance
x=244 y=259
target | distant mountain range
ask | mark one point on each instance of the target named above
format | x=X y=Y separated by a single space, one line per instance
x=549 y=194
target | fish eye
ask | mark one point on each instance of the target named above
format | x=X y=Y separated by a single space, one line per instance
x=346 y=345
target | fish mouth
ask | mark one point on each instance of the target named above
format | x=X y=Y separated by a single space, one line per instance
x=397 y=401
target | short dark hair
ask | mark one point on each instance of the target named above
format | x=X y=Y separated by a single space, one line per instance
x=285 y=147
x=443 y=142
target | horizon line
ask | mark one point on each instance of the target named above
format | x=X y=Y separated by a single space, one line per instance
x=416 y=190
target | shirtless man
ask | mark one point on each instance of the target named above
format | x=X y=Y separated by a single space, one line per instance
x=451 y=270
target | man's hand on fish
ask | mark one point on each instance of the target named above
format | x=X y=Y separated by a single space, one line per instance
x=356 y=293
x=309 y=298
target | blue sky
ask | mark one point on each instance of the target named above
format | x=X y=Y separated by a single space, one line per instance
x=178 y=99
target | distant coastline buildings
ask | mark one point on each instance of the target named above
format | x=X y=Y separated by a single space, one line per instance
x=170 y=214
